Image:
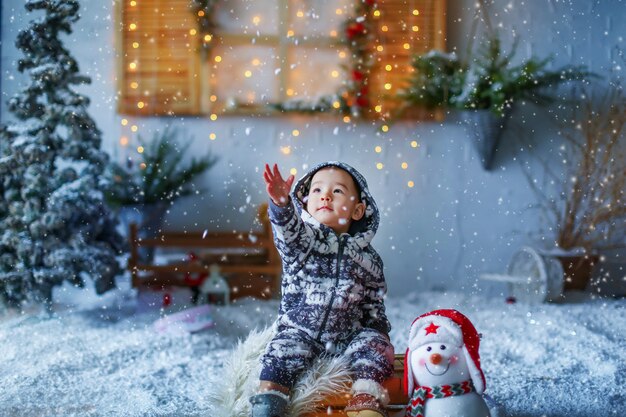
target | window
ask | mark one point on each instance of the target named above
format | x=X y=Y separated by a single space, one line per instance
x=265 y=51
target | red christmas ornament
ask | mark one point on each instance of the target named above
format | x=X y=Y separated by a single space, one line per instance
x=362 y=101
x=357 y=75
x=355 y=29
x=167 y=300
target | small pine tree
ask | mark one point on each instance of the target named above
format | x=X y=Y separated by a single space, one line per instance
x=54 y=224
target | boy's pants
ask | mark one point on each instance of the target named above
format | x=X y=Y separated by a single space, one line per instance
x=292 y=351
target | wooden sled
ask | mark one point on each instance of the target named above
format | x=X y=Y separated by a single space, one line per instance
x=335 y=405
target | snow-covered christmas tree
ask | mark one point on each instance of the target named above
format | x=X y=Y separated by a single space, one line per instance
x=54 y=225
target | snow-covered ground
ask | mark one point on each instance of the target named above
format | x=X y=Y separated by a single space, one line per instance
x=103 y=357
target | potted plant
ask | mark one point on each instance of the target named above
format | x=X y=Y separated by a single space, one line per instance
x=485 y=87
x=586 y=214
x=144 y=188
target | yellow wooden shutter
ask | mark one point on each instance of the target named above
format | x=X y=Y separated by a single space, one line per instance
x=159 y=63
x=403 y=28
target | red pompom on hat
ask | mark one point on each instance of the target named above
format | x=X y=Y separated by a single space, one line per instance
x=447 y=326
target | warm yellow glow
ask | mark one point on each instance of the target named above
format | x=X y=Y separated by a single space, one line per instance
x=213 y=117
x=207 y=38
x=256 y=62
x=247 y=74
x=135 y=45
x=256 y=20
x=414 y=144
x=132 y=66
x=410 y=184
x=201 y=13
x=378 y=108
x=218 y=58
x=376 y=13
x=141 y=105
x=387 y=86
x=346 y=119
x=293 y=171
x=143 y=165
x=132 y=26
x=404 y=165
x=286 y=150
x=342 y=54
x=212 y=136
x=380 y=48
x=290 y=92
x=378 y=149
x=124 y=141
x=406 y=46
x=338 y=11
x=333 y=33
x=380 y=165
x=385 y=128
x=384 y=28
x=213 y=98
x=134 y=85
x=133 y=3
x=300 y=13
x=415 y=28
x=388 y=67
x=334 y=73
x=140 y=149
x=416 y=12
x=336 y=104
x=124 y=122
x=295 y=132
x=134 y=128
x=289 y=33
x=193 y=32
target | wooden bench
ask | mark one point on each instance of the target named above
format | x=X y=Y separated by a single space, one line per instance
x=397 y=399
x=249 y=261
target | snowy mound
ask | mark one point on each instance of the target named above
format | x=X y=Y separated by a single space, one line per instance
x=106 y=359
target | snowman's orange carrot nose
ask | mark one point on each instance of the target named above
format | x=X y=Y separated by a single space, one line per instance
x=435 y=359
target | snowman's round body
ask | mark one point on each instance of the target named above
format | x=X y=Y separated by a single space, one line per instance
x=437 y=364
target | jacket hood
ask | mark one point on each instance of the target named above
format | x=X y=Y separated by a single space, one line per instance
x=367 y=226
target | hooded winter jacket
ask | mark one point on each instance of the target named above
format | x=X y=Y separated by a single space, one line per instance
x=332 y=285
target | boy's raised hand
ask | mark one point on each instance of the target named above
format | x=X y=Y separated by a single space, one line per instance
x=277 y=188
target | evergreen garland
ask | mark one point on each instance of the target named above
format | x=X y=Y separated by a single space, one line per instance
x=54 y=225
x=204 y=10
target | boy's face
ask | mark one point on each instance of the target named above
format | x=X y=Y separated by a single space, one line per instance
x=333 y=199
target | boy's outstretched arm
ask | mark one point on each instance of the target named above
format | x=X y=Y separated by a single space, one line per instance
x=277 y=188
x=293 y=239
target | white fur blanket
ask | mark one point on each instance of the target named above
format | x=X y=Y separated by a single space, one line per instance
x=240 y=379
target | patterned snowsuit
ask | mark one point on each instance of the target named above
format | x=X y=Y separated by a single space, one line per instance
x=332 y=292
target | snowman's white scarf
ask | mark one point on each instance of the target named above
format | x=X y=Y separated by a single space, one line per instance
x=421 y=394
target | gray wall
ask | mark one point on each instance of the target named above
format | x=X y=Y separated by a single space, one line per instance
x=458 y=220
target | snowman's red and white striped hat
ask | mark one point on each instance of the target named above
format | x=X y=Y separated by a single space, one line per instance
x=447 y=326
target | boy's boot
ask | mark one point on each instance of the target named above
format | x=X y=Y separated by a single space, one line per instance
x=269 y=404
x=365 y=405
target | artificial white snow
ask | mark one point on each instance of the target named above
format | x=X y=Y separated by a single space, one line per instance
x=102 y=356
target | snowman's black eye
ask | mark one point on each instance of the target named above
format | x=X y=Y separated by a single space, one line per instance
x=428 y=349
x=442 y=347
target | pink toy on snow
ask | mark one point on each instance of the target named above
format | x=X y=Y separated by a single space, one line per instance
x=442 y=373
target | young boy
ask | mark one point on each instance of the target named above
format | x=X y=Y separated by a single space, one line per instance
x=333 y=288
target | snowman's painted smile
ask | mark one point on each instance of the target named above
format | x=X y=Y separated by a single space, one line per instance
x=437 y=374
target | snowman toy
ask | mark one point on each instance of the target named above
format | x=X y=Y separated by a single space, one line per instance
x=442 y=374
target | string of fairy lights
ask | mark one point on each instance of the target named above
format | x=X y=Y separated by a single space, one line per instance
x=363 y=40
